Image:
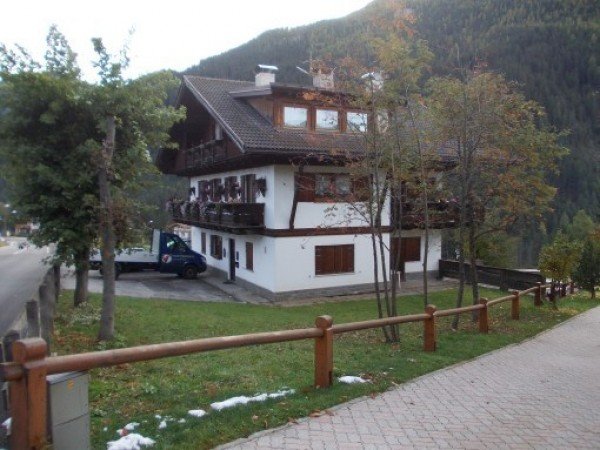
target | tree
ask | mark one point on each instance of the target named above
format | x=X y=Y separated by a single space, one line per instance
x=397 y=151
x=43 y=131
x=82 y=150
x=558 y=260
x=133 y=116
x=587 y=272
x=502 y=158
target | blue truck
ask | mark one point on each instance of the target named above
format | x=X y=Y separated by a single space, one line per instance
x=168 y=254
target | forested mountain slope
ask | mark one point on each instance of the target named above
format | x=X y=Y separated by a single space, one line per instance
x=550 y=47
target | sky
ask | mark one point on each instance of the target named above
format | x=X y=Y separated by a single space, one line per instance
x=167 y=35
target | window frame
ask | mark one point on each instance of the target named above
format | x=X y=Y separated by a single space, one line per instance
x=296 y=127
x=327 y=129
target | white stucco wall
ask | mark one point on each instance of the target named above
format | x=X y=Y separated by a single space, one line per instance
x=288 y=263
x=279 y=199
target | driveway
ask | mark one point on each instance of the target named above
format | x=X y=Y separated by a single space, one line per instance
x=208 y=287
x=540 y=394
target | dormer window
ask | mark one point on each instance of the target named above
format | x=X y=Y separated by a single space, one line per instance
x=357 y=122
x=295 y=117
x=326 y=119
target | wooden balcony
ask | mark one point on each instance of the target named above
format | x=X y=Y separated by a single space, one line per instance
x=235 y=217
x=442 y=214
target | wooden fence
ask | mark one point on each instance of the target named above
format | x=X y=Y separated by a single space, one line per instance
x=27 y=373
x=503 y=278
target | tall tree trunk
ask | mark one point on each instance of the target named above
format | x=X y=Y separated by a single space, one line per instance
x=82 y=267
x=107 y=233
x=473 y=261
x=461 y=233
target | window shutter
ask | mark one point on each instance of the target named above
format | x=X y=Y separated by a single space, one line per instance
x=203 y=242
x=249 y=256
x=305 y=183
x=411 y=249
x=319 y=260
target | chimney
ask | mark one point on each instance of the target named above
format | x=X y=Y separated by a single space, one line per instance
x=375 y=79
x=264 y=75
x=322 y=75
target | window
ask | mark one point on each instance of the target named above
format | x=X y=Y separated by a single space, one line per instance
x=326 y=119
x=332 y=186
x=247 y=188
x=330 y=259
x=216 y=246
x=175 y=245
x=216 y=189
x=410 y=251
x=323 y=187
x=203 y=191
x=203 y=242
x=249 y=256
x=294 y=116
x=231 y=188
x=357 y=122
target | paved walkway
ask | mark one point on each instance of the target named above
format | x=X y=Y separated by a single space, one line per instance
x=543 y=393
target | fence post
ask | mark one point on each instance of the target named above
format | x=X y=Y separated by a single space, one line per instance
x=429 y=343
x=483 y=316
x=28 y=396
x=538 y=295
x=515 y=305
x=324 y=353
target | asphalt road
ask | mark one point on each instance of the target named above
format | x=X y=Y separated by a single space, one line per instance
x=21 y=271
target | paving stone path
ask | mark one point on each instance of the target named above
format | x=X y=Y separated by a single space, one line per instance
x=542 y=393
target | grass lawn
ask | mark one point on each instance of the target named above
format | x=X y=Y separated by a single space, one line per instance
x=172 y=386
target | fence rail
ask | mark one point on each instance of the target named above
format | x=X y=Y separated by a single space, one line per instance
x=495 y=276
x=27 y=374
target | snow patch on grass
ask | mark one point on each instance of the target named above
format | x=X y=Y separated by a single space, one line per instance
x=348 y=379
x=131 y=441
x=131 y=426
x=195 y=413
x=243 y=400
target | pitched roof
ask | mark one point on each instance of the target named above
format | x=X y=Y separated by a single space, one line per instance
x=253 y=133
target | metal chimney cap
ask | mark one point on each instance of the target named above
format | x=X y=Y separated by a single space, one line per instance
x=266 y=68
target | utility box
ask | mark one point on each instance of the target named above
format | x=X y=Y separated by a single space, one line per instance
x=68 y=411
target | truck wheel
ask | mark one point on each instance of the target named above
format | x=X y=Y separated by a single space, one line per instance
x=190 y=272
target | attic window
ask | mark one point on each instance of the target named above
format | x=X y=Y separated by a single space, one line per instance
x=295 y=117
x=357 y=122
x=326 y=119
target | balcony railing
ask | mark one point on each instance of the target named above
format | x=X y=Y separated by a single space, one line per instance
x=442 y=214
x=232 y=216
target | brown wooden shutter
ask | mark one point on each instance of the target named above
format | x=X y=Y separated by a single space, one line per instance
x=305 y=183
x=411 y=249
x=249 y=256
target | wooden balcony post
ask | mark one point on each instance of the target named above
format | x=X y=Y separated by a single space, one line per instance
x=483 y=316
x=324 y=353
x=28 y=396
x=515 y=305
x=429 y=341
x=538 y=295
